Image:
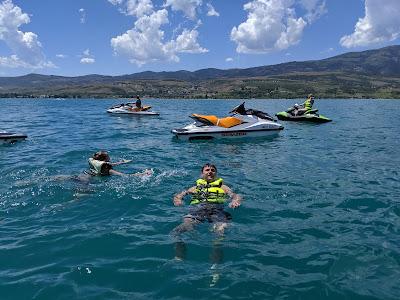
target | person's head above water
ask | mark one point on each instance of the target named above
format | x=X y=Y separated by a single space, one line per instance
x=209 y=172
x=310 y=96
x=101 y=155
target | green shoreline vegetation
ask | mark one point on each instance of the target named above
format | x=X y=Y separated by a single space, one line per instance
x=372 y=74
x=282 y=87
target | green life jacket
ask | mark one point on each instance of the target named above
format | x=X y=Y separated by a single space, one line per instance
x=308 y=104
x=98 y=167
x=208 y=192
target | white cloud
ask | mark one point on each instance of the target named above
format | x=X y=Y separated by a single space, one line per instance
x=136 y=8
x=82 y=15
x=187 y=42
x=211 y=11
x=329 y=50
x=188 y=7
x=25 y=46
x=315 y=9
x=273 y=24
x=87 y=60
x=229 y=59
x=115 y=2
x=61 y=56
x=381 y=23
x=139 y=7
x=146 y=43
x=13 y=61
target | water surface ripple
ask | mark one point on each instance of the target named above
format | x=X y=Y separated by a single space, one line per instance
x=319 y=220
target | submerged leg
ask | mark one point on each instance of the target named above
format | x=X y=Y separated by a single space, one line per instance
x=180 y=247
x=216 y=255
x=187 y=225
x=216 y=258
x=219 y=228
x=180 y=250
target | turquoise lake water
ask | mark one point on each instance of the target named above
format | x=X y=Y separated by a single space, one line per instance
x=320 y=217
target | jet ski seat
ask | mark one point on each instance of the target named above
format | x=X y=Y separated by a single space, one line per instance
x=226 y=122
x=144 y=108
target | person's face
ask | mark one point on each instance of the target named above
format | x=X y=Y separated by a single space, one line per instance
x=209 y=173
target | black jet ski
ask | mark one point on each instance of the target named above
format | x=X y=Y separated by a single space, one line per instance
x=311 y=115
x=8 y=137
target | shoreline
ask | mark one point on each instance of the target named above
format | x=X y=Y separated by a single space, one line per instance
x=182 y=99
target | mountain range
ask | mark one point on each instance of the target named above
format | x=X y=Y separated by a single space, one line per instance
x=367 y=74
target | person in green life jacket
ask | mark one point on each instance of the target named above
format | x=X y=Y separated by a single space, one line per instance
x=207 y=203
x=101 y=165
x=305 y=106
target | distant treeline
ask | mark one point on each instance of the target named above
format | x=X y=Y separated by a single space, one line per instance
x=368 y=74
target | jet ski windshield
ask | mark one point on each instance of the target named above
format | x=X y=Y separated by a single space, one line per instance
x=241 y=110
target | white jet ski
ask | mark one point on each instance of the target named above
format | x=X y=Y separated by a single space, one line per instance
x=8 y=137
x=243 y=123
x=131 y=109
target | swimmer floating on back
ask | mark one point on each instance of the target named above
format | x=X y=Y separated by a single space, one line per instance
x=207 y=204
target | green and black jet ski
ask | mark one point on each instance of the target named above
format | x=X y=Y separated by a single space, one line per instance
x=308 y=116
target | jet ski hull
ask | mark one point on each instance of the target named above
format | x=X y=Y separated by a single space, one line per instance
x=122 y=111
x=9 y=138
x=285 y=116
x=190 y=133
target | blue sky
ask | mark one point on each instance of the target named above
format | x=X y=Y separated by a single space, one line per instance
x=114 y=37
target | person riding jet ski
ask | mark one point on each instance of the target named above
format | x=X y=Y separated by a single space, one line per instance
x=305 y=106
x=303 y=112
x=132 y=108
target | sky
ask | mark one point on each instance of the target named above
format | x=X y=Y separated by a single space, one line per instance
x=116 y=37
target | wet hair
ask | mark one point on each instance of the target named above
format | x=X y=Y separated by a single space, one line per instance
x=105 y=168
x=208 y=165
x=101 y=155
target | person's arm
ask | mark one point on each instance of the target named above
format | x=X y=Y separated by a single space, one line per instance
x=113 y=172
x=236 y=198
x=124 y=161
x=146 y=172
x=178 y=198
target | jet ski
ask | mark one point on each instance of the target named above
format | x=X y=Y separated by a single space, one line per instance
x=242 y=123
x=308 y=116
x=131 y=109
x=9 y=138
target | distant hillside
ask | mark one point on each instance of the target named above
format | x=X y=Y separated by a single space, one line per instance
x=367 y=74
